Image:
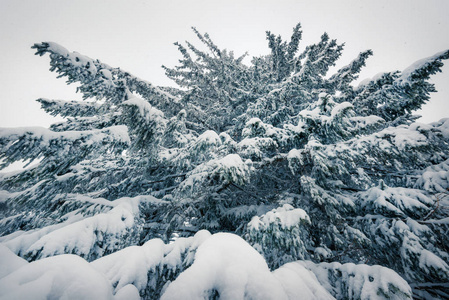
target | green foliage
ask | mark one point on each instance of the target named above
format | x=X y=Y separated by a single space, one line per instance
x=241 y=148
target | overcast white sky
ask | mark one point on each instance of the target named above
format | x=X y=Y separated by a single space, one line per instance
x=138 y=36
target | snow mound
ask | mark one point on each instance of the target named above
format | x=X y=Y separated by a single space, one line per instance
x=128 y=292
x=9 y=261
x=131 y=265
x=300 y=283
x=60 y=277
x=228 y=267
x=138 y=265
x=198 y=267
x=350 y=281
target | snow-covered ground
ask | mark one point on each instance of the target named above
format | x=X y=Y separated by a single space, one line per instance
x=220 y=264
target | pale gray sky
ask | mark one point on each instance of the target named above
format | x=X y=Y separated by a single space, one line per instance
x=138 y=36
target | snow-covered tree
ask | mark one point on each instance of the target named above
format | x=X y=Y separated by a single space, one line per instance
x=272 y=179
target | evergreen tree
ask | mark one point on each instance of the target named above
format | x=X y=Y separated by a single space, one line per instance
x=340 y=191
